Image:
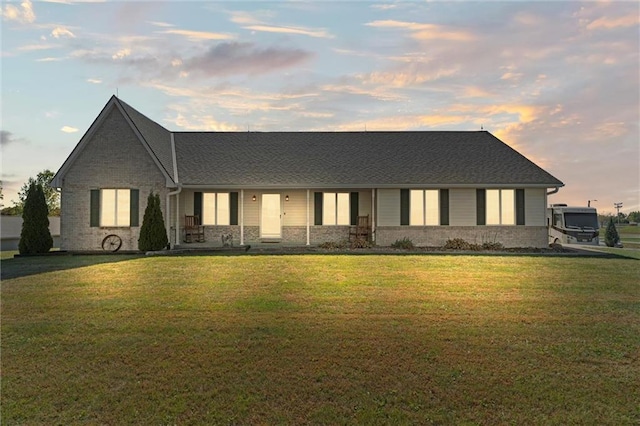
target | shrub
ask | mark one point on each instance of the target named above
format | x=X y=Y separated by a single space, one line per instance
x=360 y=243
x=492 y=246
x=404 y=243
x=35 y=236
x=611 y=236
x=333 y=245
x=457 y=244
x=153 y=234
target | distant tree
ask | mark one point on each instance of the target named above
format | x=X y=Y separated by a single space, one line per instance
x=35 y=236
x=11 y=211
x=634 y=217
x=52 y=197
x=611 y=236
x=153 y=234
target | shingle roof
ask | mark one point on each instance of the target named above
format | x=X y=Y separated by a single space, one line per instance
x=358 y=159
x=157 y=137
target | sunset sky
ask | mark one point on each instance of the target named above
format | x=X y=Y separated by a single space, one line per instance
x=558 y=81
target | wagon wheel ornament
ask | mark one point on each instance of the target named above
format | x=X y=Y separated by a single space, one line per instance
x=111 y=243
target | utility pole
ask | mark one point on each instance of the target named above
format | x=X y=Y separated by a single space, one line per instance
x=618 y=206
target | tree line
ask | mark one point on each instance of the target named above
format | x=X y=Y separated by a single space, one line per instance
x=51 y=195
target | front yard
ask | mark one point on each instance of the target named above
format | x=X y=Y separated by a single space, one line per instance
x=320 y=339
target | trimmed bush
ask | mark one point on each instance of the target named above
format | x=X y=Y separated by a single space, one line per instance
x=153 y=234
x=35 y=236
x=611 y=236
x=404 y=243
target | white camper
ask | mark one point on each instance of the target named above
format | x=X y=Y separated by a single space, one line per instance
x=572 y=225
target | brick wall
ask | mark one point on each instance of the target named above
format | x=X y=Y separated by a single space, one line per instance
x=112 y=158
x=436 y=236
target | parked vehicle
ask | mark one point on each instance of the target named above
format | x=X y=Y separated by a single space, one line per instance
x=572 y=225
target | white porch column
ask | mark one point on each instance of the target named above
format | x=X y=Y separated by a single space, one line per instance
x=373 y=215
x=308 y=240
x=242 y=217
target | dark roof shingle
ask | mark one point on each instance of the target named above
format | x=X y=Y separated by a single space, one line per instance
x=358 y=159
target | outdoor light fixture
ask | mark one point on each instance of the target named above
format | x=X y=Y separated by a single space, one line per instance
x=286 y=198
x=253 y=198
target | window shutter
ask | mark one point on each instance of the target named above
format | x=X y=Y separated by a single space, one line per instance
x=481 y=206
x=317 y=208
x=94 y=209
x=197 y=205
x=233 y=208
x=444 y=207
x=404 y=207
x=519 y=206
x=134 y=204
x=353 y=208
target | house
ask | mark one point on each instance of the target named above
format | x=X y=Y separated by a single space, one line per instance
x=299 y=187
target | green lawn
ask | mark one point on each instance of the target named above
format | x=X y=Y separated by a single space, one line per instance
x=318 y=339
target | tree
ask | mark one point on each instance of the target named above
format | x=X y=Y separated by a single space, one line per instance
x=35 y=236
x=153 y=234
x=634 y=217
x=52 y=197
x=611 y=236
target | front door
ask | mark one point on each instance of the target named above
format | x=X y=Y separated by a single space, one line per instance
x=270 y=225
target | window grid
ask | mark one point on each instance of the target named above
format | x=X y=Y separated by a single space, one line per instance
x=115 y=207
x=424 y=207
x=215 y=208
x=336 y=208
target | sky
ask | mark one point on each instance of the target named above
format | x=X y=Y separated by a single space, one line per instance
x=557 y=81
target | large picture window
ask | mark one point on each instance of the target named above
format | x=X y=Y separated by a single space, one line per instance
x=500 y=207
x=335 y=208
x=115 y=207
x=215 y=208
x=424 y=207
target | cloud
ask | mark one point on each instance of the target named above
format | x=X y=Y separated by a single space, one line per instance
x=94 y=80
x=69 y=129
x=249 y=22
x=6 y=137
x=198 y=35
x=49 y=59
x=289 y=30
x=608 y=23
x=122 y=53
x=58 y=32
x=421 y=31
x=244 y=58
x=23 y=14
x=160 y=24
x=32 y=47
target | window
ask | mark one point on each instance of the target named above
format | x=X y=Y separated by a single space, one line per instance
x=335 y=208
x=424 y=207
x=215 y=208
x=115 y=207
x=500 y=205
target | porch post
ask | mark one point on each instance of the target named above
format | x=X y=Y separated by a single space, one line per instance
x=242 y=217
x=373 y=215
x=308 y=242
x=177 y=230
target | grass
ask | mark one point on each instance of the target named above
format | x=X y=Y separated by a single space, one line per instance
x=321 y=340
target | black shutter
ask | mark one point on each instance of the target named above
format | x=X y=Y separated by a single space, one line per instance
x=233 y=208
x=444 y=207
x=404 y=207
x=94 y=209
x=519 y=206
x=134 y=204
x=481 y=206
x=317 y=208
x=197 y=205
x=353 y=201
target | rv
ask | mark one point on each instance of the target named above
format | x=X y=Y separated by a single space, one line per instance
x=572 y=225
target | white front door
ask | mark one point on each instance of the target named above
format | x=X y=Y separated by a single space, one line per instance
x=270 y=225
